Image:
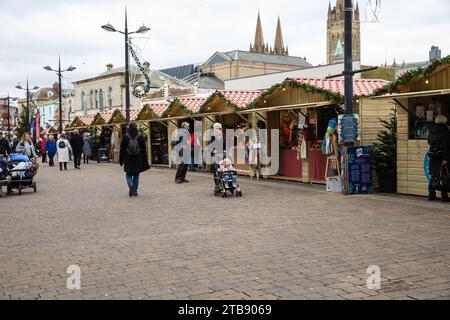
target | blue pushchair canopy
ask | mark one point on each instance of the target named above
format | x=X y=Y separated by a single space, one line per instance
x=18 y=157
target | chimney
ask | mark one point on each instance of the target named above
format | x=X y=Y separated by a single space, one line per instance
x=166 y=90
x=109 y=67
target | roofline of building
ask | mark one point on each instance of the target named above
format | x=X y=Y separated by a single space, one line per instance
x=99 y=77
x=279 y=72
x=268 y=54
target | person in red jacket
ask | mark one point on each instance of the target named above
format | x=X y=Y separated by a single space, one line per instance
x=44 y=151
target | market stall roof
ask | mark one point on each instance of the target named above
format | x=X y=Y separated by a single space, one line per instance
x=330 y=89
x=87 y=120
x=420 y=79
x=146 y=113
x=76 y=123
x=159 y=108
x=235 y=99
x=183 y=106
x=193 y=104
x=98 y=120
x=361 y=87
x=119 y=115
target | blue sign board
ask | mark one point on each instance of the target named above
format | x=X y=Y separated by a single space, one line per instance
x=358 y=171
x=349 y=129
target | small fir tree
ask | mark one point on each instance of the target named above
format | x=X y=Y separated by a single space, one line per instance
x=384 y=152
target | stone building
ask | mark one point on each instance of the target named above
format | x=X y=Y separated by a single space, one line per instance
x=107 y=90
x=260 y=59
x=335 y=31
x=37 y=99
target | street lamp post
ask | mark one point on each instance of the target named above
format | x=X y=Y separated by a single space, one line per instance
x=59 y=72
x=143 y=29
x=28 y=91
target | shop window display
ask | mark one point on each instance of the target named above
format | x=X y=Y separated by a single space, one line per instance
x=423 y=112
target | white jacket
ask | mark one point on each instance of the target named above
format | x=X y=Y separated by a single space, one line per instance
x=63 y=153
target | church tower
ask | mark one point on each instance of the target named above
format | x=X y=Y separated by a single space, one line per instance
x=259 y=46
x=279 y=48
x=335 y=31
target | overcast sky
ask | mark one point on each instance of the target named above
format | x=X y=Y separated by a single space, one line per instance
x=32 y=33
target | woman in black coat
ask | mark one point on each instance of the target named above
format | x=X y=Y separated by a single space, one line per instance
x=133 y=157
x=439 y=141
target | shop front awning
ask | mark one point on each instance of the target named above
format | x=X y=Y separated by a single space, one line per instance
x=412 y=94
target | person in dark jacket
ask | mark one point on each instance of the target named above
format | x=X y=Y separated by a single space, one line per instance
x=50 y=146
x=439 y=141
x=180 y=176
x=133 y=158
x=76 y=141
x=5 y=151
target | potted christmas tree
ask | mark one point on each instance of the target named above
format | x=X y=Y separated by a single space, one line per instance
x=384 y=155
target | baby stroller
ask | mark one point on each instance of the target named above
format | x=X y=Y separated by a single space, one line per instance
x=21 y=171
x=224 y=184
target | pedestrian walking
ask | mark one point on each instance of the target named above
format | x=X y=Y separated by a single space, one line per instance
x=218 y=154
x=43 y=150
x=76 y=142
x=133 y=158
x=87 y=148
x=180 y=176
x=439 y=141
x=5 y=151
x=50 y=147
x=63 y=149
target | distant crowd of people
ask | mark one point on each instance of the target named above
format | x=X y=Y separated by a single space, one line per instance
x=65 y=148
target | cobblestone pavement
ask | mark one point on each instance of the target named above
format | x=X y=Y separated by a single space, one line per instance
x=280 y=241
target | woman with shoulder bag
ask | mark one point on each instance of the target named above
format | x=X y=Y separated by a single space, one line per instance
x=439 y=141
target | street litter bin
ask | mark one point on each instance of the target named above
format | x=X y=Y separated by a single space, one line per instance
x=103 y=156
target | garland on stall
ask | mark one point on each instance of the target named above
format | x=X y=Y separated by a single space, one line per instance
x=98 y=120
x=294 y=84
x=217 y=94
x=175 y=103
x=117 y=117
x=408 y=76
x=146 y=113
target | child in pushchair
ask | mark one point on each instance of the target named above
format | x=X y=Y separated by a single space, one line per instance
x=226 y=180
x=22 y=172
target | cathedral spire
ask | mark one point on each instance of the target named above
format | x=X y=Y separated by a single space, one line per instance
x=279 y=48
x=258 y=45
x=357 y=11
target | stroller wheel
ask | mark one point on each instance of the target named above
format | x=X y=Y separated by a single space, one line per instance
x=8 y=190
x=239 y=193
x=224 y=195
x=20 y=189
x=34 y=186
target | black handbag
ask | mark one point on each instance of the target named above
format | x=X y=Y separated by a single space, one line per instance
x=442 y=180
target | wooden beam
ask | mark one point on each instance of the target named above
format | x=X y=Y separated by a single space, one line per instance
x=261 y=116
x=294 y=114
x=401 y=105
x=162 y=122
x=209 y=119
x=242 y=117
x=413 y=94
